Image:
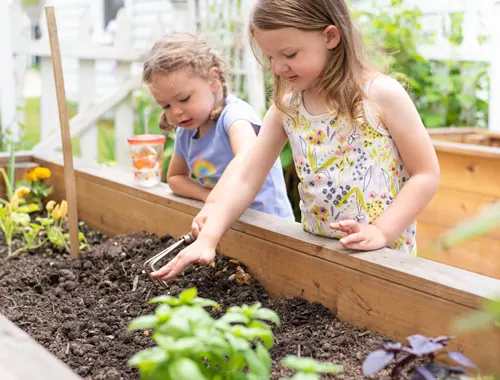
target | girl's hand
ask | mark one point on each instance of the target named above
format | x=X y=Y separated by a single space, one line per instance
x=199 y=252
x=365 y=237
x=200 y=219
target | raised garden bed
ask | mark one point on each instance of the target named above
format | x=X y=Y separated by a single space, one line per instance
x=469 y=160
x=383 y=291
x=80 y=310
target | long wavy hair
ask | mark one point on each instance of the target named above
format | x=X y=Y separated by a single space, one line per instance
x=342 y=80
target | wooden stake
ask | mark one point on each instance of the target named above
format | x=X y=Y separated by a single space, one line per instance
x=69 y=173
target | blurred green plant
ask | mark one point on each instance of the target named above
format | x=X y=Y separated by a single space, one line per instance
x=487 y=219
x=437 y=87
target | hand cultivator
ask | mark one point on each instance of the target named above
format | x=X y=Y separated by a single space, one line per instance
x=182 y=242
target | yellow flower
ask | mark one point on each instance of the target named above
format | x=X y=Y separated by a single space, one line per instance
x=56 y=213
x=42 y=173
x=14 y=202
x=64 y=209
x=30 y=176
x=50 y=205
x=22 y=191
x=37 y=173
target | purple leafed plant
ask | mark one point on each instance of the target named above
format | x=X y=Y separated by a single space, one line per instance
x=419 y=347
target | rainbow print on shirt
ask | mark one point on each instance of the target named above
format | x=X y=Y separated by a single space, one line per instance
x=203 y=169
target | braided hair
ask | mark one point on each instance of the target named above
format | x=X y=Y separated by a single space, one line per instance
x=184 y=51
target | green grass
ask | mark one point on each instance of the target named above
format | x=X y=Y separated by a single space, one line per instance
x=105 y=131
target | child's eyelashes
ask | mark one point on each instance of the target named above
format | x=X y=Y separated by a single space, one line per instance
x=184 y=100
x=290 y=55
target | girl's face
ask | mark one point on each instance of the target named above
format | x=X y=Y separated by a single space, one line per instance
x=296 y=55
x=186 y=98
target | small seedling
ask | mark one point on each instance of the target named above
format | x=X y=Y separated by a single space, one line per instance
x=419 y=347
x=193 y=345
x=308 y=368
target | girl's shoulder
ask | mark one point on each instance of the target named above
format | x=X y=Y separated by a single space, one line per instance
x=381 y=92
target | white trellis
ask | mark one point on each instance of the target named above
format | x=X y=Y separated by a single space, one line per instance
x=126 y=50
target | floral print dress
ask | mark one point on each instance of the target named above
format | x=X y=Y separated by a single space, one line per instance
x=346 y=171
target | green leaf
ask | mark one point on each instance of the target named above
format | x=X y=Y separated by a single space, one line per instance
x=237 y=343
x=143 y=322
x=163 y=312
x=184 y=368
x=29 y=208
x=263 y=356
x=487 y=219
x=229 y=318
x=305 y=376
x=256 y=366
x=309 y=365
x=474 y=321
x=267 y=315
x=169 y=300
x=203 y=302
x=236 y=363
x=188 y=295
x=147 y=359
x=20 y=219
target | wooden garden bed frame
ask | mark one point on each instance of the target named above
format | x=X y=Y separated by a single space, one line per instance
x=384 y=291
x=469 y=160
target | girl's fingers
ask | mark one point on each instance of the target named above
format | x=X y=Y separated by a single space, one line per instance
x=351 y=239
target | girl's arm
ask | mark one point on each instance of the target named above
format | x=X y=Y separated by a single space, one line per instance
x=402 y=120
x=242 y=136
x=181 y=183
x=398 y=113
x=234 y=197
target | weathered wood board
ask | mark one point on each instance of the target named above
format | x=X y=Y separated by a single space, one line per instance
x=21 y=358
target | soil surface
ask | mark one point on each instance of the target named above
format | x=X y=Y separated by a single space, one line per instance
x=80 y=310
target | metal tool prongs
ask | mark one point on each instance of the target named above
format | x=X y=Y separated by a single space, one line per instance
x=184 y=240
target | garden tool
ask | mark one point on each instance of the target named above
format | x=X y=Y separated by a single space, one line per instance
x=182 y=242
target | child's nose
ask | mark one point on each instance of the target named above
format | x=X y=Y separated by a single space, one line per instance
x=177 y=111
x=281 y=68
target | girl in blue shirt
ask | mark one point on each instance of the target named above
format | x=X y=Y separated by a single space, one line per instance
x=187 y=78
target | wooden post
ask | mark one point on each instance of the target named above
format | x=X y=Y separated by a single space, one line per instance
x=69 y=174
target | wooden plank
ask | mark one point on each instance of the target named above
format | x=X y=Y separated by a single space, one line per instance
x=479 y=256
x=473 y=173
x=451 y=206
x=384 y=263
x=385 y=291
x=22 y=358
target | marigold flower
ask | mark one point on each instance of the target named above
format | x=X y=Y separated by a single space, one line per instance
x=42 y=173
x=22 y=191
x=50 y=205
x=30 y=176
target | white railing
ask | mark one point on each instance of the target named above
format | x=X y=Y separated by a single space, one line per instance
x=126 y=52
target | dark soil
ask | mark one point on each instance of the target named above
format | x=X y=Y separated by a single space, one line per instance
x=80 y=310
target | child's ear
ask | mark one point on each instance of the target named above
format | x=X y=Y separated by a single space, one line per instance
x=332 y=36
x=214 y=78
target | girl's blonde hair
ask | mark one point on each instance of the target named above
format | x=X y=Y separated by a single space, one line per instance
x=184 y=51
x=346 y=70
